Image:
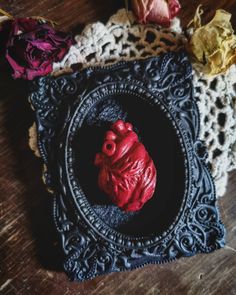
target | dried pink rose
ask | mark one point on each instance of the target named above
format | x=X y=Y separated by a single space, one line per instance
x=157 y=11
x=33 y=46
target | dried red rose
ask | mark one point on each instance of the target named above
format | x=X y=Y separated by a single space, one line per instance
x=33 y=46
x=127 y=173
x=157 y=11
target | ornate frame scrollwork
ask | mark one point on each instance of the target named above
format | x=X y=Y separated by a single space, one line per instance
x=91 y=247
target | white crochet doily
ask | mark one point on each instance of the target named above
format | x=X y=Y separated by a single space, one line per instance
x=122 y=38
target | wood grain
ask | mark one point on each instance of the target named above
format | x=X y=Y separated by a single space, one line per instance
x=28 y=247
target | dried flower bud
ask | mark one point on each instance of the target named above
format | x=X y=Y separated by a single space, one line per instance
x=157 y=11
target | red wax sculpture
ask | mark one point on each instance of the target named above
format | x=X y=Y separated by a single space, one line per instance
x=127 y=173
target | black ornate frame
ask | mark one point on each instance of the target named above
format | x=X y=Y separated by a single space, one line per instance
x=91 y=247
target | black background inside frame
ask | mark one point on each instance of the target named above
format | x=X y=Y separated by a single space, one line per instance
x=158 y=136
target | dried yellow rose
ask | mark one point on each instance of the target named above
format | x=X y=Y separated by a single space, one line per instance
x=214 y=44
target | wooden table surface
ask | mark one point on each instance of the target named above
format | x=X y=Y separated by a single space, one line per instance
x=28 y=249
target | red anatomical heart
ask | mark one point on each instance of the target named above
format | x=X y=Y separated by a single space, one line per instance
x=127 y=173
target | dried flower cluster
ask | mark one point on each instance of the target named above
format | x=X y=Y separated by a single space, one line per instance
x=31 y=46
